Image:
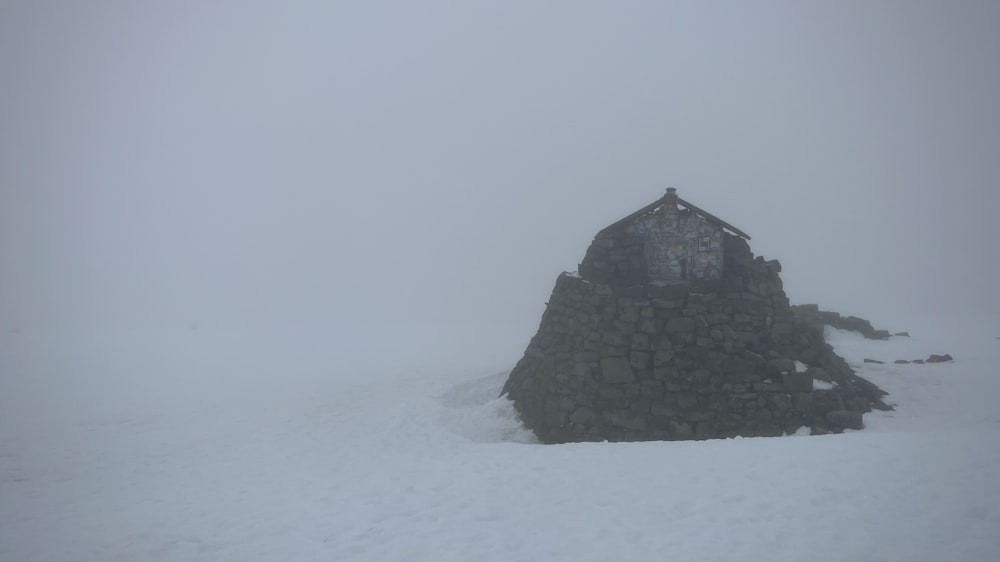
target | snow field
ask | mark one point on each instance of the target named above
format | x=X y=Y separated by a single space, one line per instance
x=435 y=467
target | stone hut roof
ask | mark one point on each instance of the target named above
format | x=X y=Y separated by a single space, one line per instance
x=671 y=198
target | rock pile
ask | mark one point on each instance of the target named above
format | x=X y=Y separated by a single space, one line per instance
x=622 y=357
x=810 y=313
x=934 y=358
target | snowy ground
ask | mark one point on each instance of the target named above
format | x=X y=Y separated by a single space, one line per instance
x=434 y=467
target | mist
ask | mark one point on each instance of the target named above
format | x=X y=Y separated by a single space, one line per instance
x=271 y=195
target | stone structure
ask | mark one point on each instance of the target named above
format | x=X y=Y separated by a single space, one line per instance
x=673 y=330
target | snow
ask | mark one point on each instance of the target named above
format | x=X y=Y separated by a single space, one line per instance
x=434 y=466
x=819 y=384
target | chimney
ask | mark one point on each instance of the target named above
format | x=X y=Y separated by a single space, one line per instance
x=671 y=197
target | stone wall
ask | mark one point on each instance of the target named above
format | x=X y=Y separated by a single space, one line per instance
x=674 y=246
x=618 y=259
x=617 y=357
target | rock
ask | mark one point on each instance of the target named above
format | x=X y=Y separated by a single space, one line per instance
x=835 y=320
x=818 y=373
x=663 y=410
x=681 y=430
x=668 y=290
x=939 y=358
x=624 y=420
x=857 y=404
x=858 y=325
x=828 y=401
x=902 y=334
x=662 y=357
x=900 y=361
x=803 y=402
x=640 y=359
x=582 y=416
x=781 y=366
x=797 y=382
x=680 y=324
x=874 y=361
x=780 y=403
x=640 y=342
x=845 y=419
x=616 y=370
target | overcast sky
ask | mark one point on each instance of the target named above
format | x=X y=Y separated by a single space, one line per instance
x=401 y=177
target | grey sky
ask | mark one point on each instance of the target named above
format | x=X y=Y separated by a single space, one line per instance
x=372 y=176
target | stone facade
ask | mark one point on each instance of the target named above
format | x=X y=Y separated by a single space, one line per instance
x=679 y=244
x=627 y=351
x=660 y=242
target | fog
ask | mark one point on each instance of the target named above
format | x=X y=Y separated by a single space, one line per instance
x=352 y=189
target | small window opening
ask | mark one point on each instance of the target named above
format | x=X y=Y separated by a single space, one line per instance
x=705 y=244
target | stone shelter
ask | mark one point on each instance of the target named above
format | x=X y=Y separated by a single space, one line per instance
x=672 y=329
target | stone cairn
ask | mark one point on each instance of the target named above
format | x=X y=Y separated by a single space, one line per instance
x=620 y=357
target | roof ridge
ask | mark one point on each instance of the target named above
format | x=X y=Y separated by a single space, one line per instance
x=659 y=202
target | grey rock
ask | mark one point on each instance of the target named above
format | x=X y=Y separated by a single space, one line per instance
x=781 y=366
x=857 y=404
x=679 y=324
x=616 y=370
x=640 y=359
x=803 y=402
x=662 y=357
x=681 y=430
x=664 y=410
x=640 y=341
x=668 y=290
x=797 y=382
x=687 y=400
x=700 y=377
x=624 y=420
x=705 y=430
x=582 y=416
x=780 y=403
x=845 y=419
x=818 y=373
x=652 y=389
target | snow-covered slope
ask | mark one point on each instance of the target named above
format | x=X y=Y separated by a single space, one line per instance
x=435 y=467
